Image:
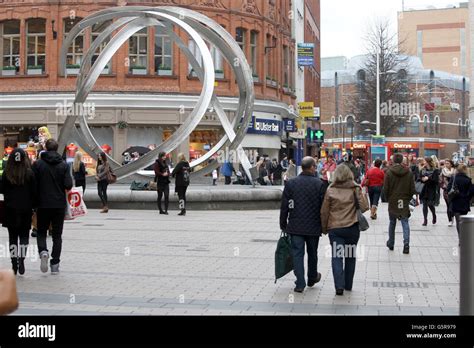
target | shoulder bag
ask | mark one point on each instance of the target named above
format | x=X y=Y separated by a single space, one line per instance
x=454 y=192
x=111 y=177
x=363 y=223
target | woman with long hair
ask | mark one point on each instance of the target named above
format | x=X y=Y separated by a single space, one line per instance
x=429 y=176
x=102 y=171
x=339 y=220
x=446 y=174
x=461 y=203
x=162 y=178
x=181 y=173
x=18 y=186
x=374 y=181
x=79 y=171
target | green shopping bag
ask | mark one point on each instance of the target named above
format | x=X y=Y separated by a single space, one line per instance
x=283 y=256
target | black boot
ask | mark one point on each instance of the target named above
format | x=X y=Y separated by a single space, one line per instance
x=21 y=265
x=183 y=212
x=15 y=265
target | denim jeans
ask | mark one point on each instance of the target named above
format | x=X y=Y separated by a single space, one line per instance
x=297 y=245
x=343 y=244
x=391 y=231
x=374 y=195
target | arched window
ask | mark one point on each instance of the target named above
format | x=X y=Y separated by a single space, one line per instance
x=401 y=126
x=415 y=125
x=361 y=76
x=350 y=124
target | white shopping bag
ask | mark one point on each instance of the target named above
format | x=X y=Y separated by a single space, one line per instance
x=75 y=204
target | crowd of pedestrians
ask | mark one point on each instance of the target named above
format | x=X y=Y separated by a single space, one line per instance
x=328 y=197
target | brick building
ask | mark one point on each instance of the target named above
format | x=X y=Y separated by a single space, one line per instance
x=149 y=79
x=435 y=122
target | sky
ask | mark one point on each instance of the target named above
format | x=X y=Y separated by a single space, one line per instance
x=344 y=23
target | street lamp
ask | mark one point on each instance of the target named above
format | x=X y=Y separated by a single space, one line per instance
x=378 y=90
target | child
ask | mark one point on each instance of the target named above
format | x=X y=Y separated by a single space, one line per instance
x=214 y=177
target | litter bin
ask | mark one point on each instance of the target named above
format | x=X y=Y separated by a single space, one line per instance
x=467 y=265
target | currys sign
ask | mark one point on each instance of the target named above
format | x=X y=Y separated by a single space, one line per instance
x=265 y=127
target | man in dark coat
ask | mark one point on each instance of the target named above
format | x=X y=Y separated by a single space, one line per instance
x=53 y=179
x=399 y=188
x=300 y=218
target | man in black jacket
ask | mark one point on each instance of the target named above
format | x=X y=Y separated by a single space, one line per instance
x=300 y=217
x=53 y=179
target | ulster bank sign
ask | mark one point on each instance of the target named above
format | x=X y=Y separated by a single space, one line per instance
x=264 y=126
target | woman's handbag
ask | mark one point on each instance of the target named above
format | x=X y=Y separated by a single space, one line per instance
x=111 y=177
x=454 y=192
x=363 y=223
x=419 y=187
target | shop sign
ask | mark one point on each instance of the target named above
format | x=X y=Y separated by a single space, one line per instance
x=404 y=146
x=306 y=109
x=265 y=127
x=289 y=125
x=306 y=54
x=360 y=146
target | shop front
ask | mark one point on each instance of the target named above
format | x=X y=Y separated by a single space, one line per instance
x=264 y=136
x=433 y=149
x=405 y=148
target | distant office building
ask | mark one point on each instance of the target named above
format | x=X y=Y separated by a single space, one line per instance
x=439 y=37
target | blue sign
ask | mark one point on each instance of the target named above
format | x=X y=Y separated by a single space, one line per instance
x=289 y=125
x=306 y=54
x=265 y=127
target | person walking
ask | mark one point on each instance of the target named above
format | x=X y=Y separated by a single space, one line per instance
x=446 y=174
x=53 y=179
x=103 y=170
x=215 y=177
x=328 y=170
x=348 y=161
x=79 y=172
x=461 y=203
x=339 y=220
x=162 y=179
x=18 y=185
x=374 y=181
x=399 y=188
x=429 y=176
x=181 y=173
x=300 y=217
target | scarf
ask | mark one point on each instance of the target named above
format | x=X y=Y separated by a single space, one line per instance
x=448 y=172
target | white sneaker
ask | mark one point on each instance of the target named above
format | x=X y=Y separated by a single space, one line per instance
x=451 y=223
x=44 y=256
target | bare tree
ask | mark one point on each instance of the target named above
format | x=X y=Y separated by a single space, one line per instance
x=393 y=78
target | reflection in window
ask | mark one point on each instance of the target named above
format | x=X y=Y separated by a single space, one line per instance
x=76 y=49
x=254 y=51
x=10 y=35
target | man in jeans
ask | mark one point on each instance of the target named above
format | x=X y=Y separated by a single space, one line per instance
x=300 y=218
x=53 y=179
x=399 y=188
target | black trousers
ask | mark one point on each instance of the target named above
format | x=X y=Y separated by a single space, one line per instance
x=228 y=180
x=163 y=191
x=83 y=185
x=102 y=191
x=55 y=217
x=21 y=235
x=181 y=190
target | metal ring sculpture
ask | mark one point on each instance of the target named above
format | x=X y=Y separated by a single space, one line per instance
x=128 y=21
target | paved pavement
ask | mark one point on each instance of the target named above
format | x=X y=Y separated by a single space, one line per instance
x=141 y=263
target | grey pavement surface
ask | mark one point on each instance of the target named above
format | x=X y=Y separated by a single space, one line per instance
x=222 y=263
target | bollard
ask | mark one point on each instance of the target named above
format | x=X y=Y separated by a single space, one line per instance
x=467 y=265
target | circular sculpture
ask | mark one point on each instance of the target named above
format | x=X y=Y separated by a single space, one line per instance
x=128 y=21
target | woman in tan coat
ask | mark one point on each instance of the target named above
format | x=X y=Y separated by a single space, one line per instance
x=339 y=221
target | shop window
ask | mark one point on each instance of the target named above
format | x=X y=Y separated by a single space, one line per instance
x=163 y=52
x=138 y=52
x=76 y=49
x=96 y=30
x=240 y=37
x=10 y=39
x=401 y=127
x=286 y=67
x=36 y=45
